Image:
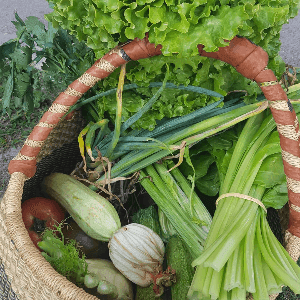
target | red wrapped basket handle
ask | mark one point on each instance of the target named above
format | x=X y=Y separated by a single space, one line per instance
x=247 y=58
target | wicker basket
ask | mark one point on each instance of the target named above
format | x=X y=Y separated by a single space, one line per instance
x=48 y=149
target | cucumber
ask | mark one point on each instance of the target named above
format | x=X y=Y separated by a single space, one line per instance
x=146 y=293
x=148 y=217
x=179 y=258
x=95 y=215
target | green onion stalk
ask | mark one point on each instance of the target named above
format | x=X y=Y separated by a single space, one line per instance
x=241 y=255
x=166 y=144
x=140 y=148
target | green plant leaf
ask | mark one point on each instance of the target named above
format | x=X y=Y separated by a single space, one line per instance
x=210 y=183
x=138 y=26
x=28 y=101
x=156 y=14
x=201 y=164
x=7 y=48
x=276 y=197
x=21 y=59
x=227 y=21
x=36 y=27
x=267 y=16
x=111 y=25
x=271 y=172
x=9 y=86
x=22 y=84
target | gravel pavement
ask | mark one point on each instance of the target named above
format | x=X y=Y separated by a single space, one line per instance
x=289 y=37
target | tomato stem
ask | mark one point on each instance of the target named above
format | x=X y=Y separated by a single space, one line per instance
x=38 y=225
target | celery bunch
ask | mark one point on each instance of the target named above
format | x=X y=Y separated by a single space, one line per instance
x=241 y=254
x=175 y=197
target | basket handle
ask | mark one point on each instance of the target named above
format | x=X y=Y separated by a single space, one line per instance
x=247 y=58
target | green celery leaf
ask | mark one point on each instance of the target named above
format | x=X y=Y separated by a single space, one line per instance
x=9 y=86
x=210 y=183
x=22 y=82
x=276 y=197
x=7 y=48
x=223 y=140
x=200 y=147
x=21 y=59
x=271 y=172
x=36 y=27
x=201 y=163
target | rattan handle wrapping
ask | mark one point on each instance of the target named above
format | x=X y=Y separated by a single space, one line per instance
x=247 y=58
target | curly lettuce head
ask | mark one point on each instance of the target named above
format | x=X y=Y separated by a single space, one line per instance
x=179 y=26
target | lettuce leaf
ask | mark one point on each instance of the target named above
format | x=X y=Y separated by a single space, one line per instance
x=179 y=26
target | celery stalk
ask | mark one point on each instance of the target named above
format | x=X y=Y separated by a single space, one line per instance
x=240 y=242
x=275 y=266
x=260 y=284
x=238 y=294
x=230 y=241
x=248 y=257
x=271 y=283
x=215 y=284
x=233 y=276
x=189 y=231
x=248 y=132
x=207 y=281
x=231 y=237
x=277 y=252
x=230 y=206
x=198 y=207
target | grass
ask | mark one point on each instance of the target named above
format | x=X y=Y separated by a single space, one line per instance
x=15 y=129
x=13 y=133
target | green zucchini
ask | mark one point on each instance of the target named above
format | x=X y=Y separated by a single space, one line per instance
x=179 y=259
x=95 y=215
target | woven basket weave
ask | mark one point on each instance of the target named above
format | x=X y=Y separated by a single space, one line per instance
x=52 y=147
x=60 y=153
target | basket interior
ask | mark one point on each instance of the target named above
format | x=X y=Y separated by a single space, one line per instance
x=64 y=158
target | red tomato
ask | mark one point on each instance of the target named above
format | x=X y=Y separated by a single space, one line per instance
x=40 y=213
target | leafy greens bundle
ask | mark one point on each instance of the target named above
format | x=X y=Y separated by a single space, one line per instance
x=241 y=254
x=179 y=26
x=24 y=87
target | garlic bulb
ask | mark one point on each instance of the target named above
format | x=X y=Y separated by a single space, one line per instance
x=138 y=253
